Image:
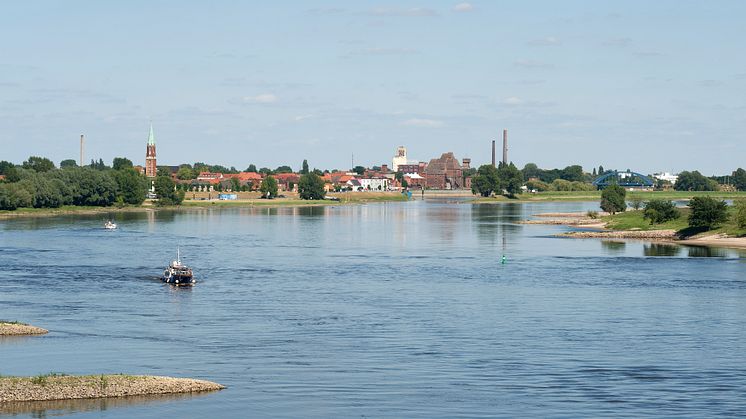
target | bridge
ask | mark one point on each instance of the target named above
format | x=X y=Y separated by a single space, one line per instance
x=628 y=179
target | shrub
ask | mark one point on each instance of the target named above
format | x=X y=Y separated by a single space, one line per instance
x=592 y=214
x=635 y=203
x=707 y=212
x=660 y=210
x=612 y=199
x=740 y=214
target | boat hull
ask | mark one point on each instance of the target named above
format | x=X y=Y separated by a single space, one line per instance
x=179 y=280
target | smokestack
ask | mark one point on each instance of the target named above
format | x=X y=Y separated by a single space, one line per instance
x=81 y=150
x=505 y=146
x=493 y=153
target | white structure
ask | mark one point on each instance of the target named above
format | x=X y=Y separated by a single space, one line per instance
x=399 y=158
x=666 y=176
x=374 y=184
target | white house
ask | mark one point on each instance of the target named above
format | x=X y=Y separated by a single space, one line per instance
x=666 y=176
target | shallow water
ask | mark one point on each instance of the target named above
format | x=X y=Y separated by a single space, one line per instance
x=381 y=310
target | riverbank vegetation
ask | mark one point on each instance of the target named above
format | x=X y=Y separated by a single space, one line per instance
x=708 y=220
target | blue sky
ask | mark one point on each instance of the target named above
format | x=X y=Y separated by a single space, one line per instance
x=644 y=85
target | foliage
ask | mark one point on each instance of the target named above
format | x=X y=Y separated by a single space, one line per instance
x=694 y=181
x=511 y=179
x=131 y=186
x=14 y=196
x=537 y=185
x=186 y=173
x=5 y=167
x=592 y=214
x=360 y=170
x=68 y=163
x=660 y=210
x=251 y=168
x=612 y=199
x=739 y=215
x=166 y=191
x=304 y=167
x=311 y=186
x=284 y=169
x=98 y=165
x=268 y=188
x=120 y=163
x=38 y=164
x=739 y=179
x=707 y=212
x=531 y=170
x=89 y=186
x=486 y=181
x=235 y=184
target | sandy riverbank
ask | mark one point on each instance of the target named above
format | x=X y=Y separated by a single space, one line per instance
x=20 y=329
x=64 y=387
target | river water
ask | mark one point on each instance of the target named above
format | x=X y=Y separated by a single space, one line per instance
x=380 y=310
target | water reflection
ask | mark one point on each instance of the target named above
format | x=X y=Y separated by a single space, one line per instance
x=491 y=221
x=614 y=246
x=706 y=252
x=658 y=249
x=47 y=408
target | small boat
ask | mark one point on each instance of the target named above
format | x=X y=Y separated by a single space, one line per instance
x=177 y=273
x=110 y=226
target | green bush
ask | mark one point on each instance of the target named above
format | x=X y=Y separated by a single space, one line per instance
x=612 y=199
x=707 y=212
x=740 y=213
x=660 y=210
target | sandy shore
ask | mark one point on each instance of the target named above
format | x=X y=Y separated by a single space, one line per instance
x=16 y=329
x=64 y=387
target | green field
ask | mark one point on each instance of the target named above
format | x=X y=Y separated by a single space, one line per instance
x=633 y=220
x=596 y=195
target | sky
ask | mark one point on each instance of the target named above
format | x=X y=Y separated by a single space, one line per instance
x=643 y=85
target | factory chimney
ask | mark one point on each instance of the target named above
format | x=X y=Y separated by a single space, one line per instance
x=493 y=153
x=505 y=146
x=81 y=150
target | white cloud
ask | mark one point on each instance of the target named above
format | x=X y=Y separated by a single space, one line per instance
x=513 y=100
x=548 y=41
x=463 y=7
x=262 y=98
x=412 y=12
x=423 y=123
x=526 y=63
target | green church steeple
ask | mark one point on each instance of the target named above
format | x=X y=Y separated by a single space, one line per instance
x=151 y=136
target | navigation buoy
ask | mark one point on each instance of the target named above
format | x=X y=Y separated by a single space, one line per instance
x=503 y=260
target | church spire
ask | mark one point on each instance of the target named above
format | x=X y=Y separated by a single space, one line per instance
x=151 y=136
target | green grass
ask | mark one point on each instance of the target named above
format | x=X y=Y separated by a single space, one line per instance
x=643 y=195
x=633 y=220
x=12 y=322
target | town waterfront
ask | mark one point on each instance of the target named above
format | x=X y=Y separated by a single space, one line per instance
x=397 y=309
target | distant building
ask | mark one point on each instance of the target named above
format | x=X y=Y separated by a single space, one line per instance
x=374 y=184
x=444 y=173
x=399 y=158
x=418 y=168
x=665 y=176
x=151 y=169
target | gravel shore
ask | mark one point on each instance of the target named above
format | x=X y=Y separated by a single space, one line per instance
x=16 y=329
x=633 y=234
x=65 y=387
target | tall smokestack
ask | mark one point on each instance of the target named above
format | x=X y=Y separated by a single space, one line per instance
x=493 y=153
x=505 y=146
x=81 y=150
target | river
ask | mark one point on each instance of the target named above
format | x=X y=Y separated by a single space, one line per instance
x=382 y=310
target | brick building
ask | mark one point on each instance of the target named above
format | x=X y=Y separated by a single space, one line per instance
x=444 y=173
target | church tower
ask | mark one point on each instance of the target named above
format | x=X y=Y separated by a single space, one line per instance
x=150 y=166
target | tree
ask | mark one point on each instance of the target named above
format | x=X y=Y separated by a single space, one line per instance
x=284 y=169
x=131 y=186
x=707 y=212
x=68 y=163
x=251 y=168
x=304 y=167
x=13 y=196
x=266 y=171
x=185 y=173
x=98 y=165
x=739 y=179
x=740 y=213
x=5 y=166
x=573 y=173
x=486 y=180
x=594 y=173
x=38 y=164
x=531 y=170
x=268 y=188
x=659 y=211
x=163 y=171
x=511 y=179
x=601 y=170
x=694 y=181
x=88 y=186
x=235 y=184
x=360 y=170
x=311 y=186
x=167 y=194
x=612 y=199
x=120 y=163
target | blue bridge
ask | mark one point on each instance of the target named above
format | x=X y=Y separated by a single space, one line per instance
x=628 y=179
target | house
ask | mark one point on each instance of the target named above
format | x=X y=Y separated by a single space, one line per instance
x=249 y=179
x=414 y=180
x=287 y=181
x=374 y=184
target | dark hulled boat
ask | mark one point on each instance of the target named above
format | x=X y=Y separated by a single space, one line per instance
x=178 y=273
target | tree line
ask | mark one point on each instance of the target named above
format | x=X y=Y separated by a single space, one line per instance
x=37 y=183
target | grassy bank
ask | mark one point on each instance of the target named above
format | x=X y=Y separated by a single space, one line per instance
x=559 y=196
x=633 y=220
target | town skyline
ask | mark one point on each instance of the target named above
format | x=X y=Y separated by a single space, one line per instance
x=623 y=85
